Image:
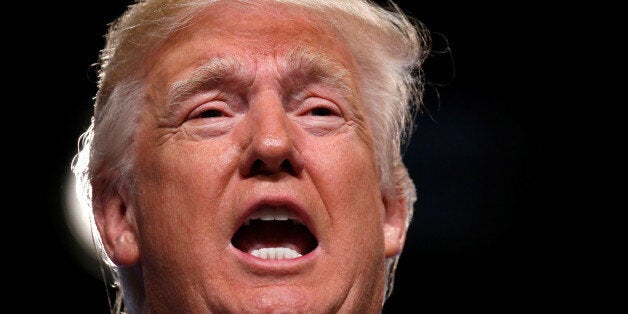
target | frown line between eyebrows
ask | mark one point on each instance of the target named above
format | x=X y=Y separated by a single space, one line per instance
x=299 y=68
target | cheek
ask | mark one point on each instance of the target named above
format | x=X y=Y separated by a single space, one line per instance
x=190 y=166
x=345 y=174
x=175 y=194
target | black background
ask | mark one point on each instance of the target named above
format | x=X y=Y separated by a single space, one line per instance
x=481 y=238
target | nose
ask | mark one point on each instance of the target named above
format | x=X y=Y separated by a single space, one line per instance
x=270 y=148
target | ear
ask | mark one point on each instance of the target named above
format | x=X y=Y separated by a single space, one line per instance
x=117 y=230
x=394 y=225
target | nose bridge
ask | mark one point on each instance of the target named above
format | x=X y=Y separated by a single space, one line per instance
x=271 y=148
x=271 y=130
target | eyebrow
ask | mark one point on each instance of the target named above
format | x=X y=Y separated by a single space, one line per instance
x=301 y=67
x=313 y=66
x=212 y=73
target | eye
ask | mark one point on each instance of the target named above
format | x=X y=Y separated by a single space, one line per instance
x=211 y=118
x=211 y=113
x=321 y=112
x=211 y=110
x=319 y=107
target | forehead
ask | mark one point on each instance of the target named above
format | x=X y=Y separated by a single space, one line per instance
x=249 y=31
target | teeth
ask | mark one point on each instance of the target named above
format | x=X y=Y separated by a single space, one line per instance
x=269 y=213
x=275 y=253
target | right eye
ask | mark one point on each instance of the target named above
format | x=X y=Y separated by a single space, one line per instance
x=210 y=110
x=211 y=113
x=210 y=119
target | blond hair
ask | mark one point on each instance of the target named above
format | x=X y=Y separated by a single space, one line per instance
x=388 y=45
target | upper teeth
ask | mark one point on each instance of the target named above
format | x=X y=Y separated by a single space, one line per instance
x=272 y=213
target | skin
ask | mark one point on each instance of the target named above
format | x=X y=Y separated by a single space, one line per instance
x=268 y=135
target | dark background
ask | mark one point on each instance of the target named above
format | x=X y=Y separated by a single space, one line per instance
x=481 y=237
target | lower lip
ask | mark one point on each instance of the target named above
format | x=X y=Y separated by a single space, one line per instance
x=280 y=266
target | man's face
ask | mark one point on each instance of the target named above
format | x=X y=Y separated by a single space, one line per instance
x=257 y=183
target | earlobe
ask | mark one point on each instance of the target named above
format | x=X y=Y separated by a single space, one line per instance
x=113 y=219
x=394 y=226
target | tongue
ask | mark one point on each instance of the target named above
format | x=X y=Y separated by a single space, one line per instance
x=274 y=234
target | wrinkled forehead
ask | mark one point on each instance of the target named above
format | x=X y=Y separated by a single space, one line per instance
x=260 y=29
x=229 y=39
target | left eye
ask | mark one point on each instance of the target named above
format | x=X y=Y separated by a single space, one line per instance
x=321 y=112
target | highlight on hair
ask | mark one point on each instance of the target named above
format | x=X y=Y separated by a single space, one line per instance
x=388 y=45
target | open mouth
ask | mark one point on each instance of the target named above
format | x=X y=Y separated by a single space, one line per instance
x=274 y=233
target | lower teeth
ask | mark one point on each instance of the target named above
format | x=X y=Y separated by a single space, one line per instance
x=275 y=253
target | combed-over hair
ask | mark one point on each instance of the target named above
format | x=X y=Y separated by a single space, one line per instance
x=389 y=48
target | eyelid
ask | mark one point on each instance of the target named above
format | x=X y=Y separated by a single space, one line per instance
x=217 y=105
x=311 y=103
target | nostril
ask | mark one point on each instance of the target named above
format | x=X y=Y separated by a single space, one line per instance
x=257 y=168
x=287 y=166
x=257 y=165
